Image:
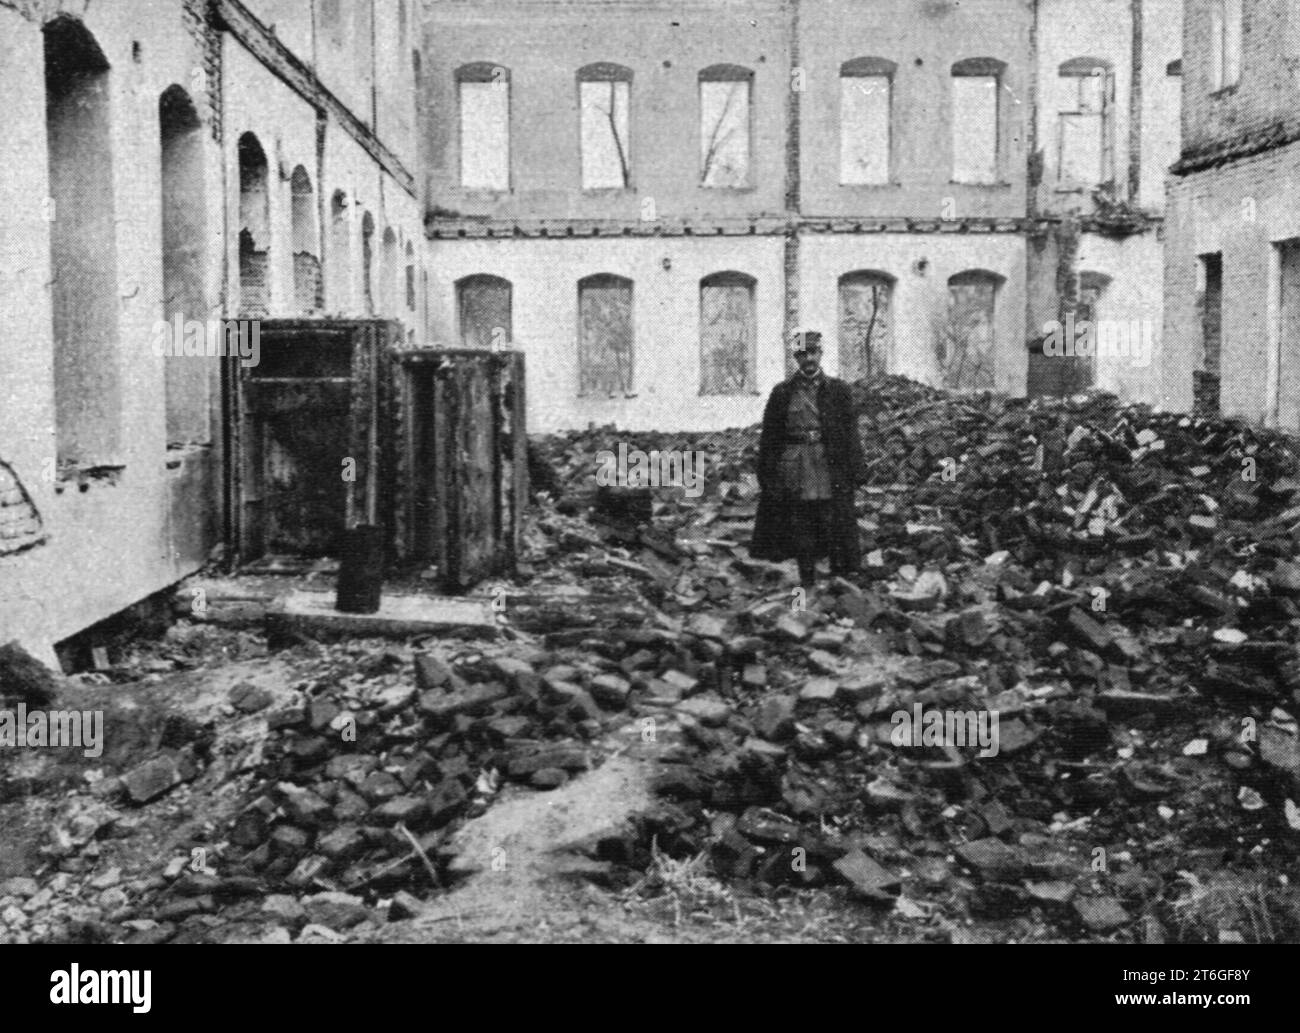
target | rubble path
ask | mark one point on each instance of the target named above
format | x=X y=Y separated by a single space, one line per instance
x=717 y=750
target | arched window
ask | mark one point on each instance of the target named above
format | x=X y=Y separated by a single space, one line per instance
x=484 y=308
x=339 y=266
x=965 y=346
x=1225 y=43
x=254 y=229
x=866 y=88
x=484 y=102
x=604 y=103
x=184 y=243
x=388 y=275
x=725 y=125
x=83 y=246
x=604 y=335
x=308 y=291
x=409 y=278
x=367 y=262
x=976 y=119
x=728 y=334
x=866 y=323
x=1085 y=123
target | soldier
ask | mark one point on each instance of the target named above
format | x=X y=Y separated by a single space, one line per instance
x=809 y=461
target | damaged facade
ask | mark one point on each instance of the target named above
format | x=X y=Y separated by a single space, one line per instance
x=647 y=196
x=180 y=163
x=1232 y=279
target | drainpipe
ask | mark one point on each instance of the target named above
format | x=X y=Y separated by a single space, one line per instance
x=1135 y=105
x=792 y=186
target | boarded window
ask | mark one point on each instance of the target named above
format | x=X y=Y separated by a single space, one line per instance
x=388 y=275
x=184 y=242
x=725 y=126
x=604 y=336
x=975 y=88
x=484 y=127
x=865 y=93
x=83 y=246
x=866 y=324
x=1085 y=145
x=484 y=306
x=604 y=97
x=728 y=334
x=964 y=347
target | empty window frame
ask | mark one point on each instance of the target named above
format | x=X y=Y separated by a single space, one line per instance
x=604 y=104
x=339 y=266
x=308 y=289
x=1225 y=42
x=184 y=241
x=965 y=344
x=866 y=323
x=484 y=306
x=725 y=126
x=604 y=336
x=976 y=114
x=254 y=229
x=83 y=246
x=728 y=334
x=866 y=92
x=1085 y=154
x=483 y=91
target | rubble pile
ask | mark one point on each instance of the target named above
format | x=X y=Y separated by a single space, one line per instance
x=1114 y=584
x=1058 y=696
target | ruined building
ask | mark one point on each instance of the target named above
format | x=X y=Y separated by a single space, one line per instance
x=646 y=195
x=1232 y=282
x=175 y=161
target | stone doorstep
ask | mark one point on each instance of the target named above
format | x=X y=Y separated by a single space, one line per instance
x=399 y=616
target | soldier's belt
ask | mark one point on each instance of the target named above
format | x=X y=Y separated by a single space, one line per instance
x=803 y=437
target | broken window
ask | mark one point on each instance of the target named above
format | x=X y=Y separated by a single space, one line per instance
x=728 y=334
x=308 y=291
x=83 y=247
x=254 y=229
x=183 y=242
x=1085 y=123
x=866 y=323
x=367 y=262
x=865 y=93
x=976 y=83
x=725 y=126
x=604 y=335
x=340 y=255
x=604 y=98
x=484 y=126
x=484 y=306
x=1225 y=42
x=964 y=347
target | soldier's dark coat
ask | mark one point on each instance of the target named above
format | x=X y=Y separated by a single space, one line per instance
x=773 y=531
